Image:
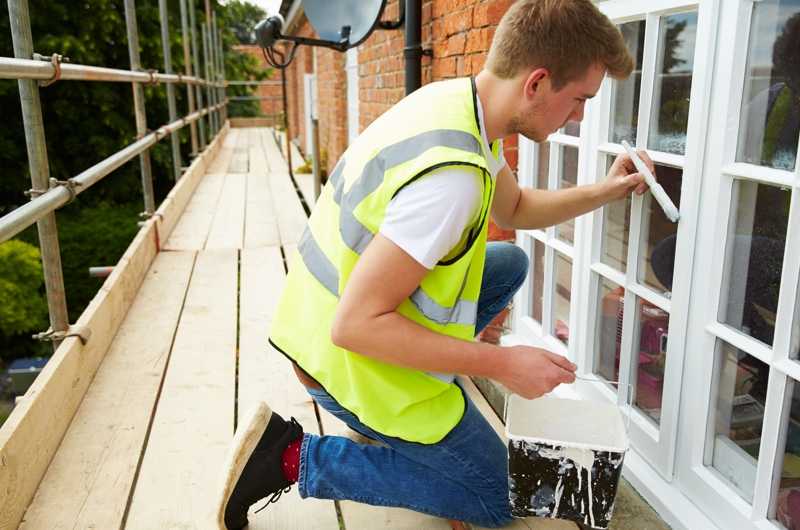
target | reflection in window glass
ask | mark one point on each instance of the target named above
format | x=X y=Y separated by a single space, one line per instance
x=657 y=258
x=673 y=84
x=562 y=293
x=652 y=358
x=754 y=258
x=543 y=165
x=770 y=117
x=573 y=128
x=788 y=494
x=625 y=98
x=616 y=227
x=567 y=178
x=741 y=394
x=610 y=310
x=537 y=281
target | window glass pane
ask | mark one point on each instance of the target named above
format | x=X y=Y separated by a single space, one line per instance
x=625 y=98
x=788 y=495
x=770 y=116
x=657 y=255
x=673 y=83
x=562 y=293
x=567 y=178
x=616 y=227
x=572 y=128
x=754 y=258
x=741 y=394
x=543 y=165
x=537 y=281
x=610 y=310
x=653 y=326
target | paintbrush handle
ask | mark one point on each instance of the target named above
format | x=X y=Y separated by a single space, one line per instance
x=658 y=192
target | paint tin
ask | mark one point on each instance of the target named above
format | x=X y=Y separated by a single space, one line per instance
x=564 y=458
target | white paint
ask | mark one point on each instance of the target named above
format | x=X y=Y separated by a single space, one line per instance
x=578 y=426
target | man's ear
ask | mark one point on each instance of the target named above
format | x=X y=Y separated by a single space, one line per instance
x=533 y=83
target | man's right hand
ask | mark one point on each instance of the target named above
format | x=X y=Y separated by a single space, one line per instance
x=532 y=372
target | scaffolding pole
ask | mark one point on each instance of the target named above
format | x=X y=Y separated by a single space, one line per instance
x=45 y=70
x=138 y=104
x=22 y=217
x=40 y=170
x=187 y=69
x=163 y=16
x=220 y=68
x=196 y=65
x=210 y=91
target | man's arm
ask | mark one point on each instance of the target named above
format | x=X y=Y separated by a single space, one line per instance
x=529 y=208
x=367 y=322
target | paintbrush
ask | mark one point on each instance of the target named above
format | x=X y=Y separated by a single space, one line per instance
x=658 y=192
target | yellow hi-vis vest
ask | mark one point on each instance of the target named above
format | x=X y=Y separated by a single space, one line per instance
x=435 y=126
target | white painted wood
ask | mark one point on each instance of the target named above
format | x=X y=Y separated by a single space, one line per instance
x=261 y=221
x=353 y=99
x=89 y=480
x=227 y=227
x=264 y=374
x=272 y=151
x=30 y=436
x=291 y=216
x=191 y=231
x=305 y=181
x=193 y=422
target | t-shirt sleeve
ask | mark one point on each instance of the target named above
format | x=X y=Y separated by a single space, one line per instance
x=428 y=217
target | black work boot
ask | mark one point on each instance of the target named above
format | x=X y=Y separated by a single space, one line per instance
x=253 y=465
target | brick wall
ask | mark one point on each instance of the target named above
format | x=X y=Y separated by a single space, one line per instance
x=458 y=32
x=273 y=106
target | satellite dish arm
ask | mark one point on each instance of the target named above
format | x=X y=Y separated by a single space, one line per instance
x=394 y=24
x=268 y=31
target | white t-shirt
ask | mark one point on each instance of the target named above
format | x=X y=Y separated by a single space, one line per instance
x=428 y=217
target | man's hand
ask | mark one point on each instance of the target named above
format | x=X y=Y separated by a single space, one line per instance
x=533 y=372
x=622 y=178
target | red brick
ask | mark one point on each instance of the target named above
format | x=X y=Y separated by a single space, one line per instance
x=496 y=9
x=444 y=68
x=480 y=15
x=457 y=22
x=455 y=44
x=477 y=61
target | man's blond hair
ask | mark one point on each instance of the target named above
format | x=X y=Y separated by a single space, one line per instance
x=564 y=36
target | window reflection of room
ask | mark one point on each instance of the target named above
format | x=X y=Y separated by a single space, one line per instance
x=739 y=418
x=616 y=227
x=567 y=178
x=537 y=281
x=610 y=311
x=673 y=83
x=543 y=165
x=625 y=97
x=770 y=115
x=572 y=128
x=754 y=258
x=650 y=359
x=657 y=255
x=787 y=504
x=561 y=297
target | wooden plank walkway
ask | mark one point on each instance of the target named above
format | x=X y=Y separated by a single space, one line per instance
x=143 y=450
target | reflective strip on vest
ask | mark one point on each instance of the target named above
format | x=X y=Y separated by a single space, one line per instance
x=318 y=263
x=464 y=312
x=354 y=234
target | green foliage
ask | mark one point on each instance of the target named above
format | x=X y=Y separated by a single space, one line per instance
x=241 y=18
x=23 y=308
x=86 y=122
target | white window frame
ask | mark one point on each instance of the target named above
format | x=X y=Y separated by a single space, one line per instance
x=716 y=495
x=351 y=69
x=309 y=106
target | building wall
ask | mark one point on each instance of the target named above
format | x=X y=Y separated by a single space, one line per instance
x=458 y=32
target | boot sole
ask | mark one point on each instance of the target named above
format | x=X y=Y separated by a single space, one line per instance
x=244 y=443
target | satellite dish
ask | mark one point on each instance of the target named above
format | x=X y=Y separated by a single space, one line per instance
x=349 y=21
x=341 y=24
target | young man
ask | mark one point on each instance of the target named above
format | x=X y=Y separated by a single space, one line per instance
x=394 y=278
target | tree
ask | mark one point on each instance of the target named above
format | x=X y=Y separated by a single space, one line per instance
x=241 y=18
x=23 y=308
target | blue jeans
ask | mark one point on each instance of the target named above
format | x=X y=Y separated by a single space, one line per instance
x=462 y=477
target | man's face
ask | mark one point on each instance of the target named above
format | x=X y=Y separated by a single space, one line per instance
x=545 y=110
